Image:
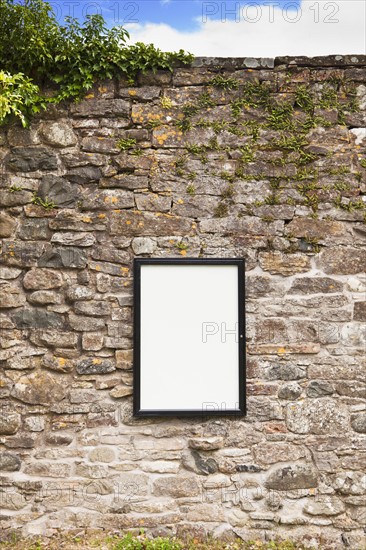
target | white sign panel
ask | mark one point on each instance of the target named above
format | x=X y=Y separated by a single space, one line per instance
x=189 y=337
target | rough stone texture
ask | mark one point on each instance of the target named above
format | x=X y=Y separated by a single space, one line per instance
x=58 y=134
x=58 y=190
x=29 y=159
x=358 y=423
x=359 y=312
x=176 y=487
x=9 y=462
x=237 y=184
x=281 y=264
x=37 y=318
x=7 y=225
x=44 y=279
x=319 y=417
x=94 y=366
x=12 y=296
x=38 y=388
x=315 y=285
x=343 y=261
x=9 y=422
x=319 y=388
x=299 y=476
x=325 y=507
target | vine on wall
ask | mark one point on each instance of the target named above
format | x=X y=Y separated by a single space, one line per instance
x=35 y=50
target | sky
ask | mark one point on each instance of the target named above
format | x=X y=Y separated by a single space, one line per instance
x=258 y=28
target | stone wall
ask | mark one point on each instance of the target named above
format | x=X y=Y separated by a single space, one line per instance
x=256 y=158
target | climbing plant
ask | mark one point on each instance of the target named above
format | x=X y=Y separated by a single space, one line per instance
x=35 y=49
x=18 y=96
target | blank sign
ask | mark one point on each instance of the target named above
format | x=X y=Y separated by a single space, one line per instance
x=189 y=337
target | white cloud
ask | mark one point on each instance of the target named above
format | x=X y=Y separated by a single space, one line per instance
x=319 y=28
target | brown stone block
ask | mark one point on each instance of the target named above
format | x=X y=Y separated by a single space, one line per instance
x=168 y=137
x=136 y=223
x=319 y=416
x=284 y=348
x=7 y=225
x=39 y=388
x=106 y=199
x=262 y=389
x=284 y=264
x=302 y=476
x=124 y=359
x=9 y=422
x=20 y=254
x=153 y=202
x=70 y=220
x=315 y=285
x=350 y=389
x=342 y=260
x=176 y=486
x=331 y=232
x=44 y=279
x=91 y=107
x=100 y=144
x=11 y=296
x=359 y=311
x=249 y=225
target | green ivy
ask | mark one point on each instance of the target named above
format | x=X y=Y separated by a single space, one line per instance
x=36 y=50
x=18 y=97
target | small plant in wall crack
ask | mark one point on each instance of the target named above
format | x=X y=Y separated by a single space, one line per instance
x=124 y=144
x=166 y=102
x=14 y=188
x=221 y=210
x=314 y=243
x=182 y=247
x=220 y=81
x=136 y=152
x=228 y=192
x=154 y=123
x=45 y=203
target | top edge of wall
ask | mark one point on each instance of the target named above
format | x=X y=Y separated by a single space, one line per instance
x=271 y=62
